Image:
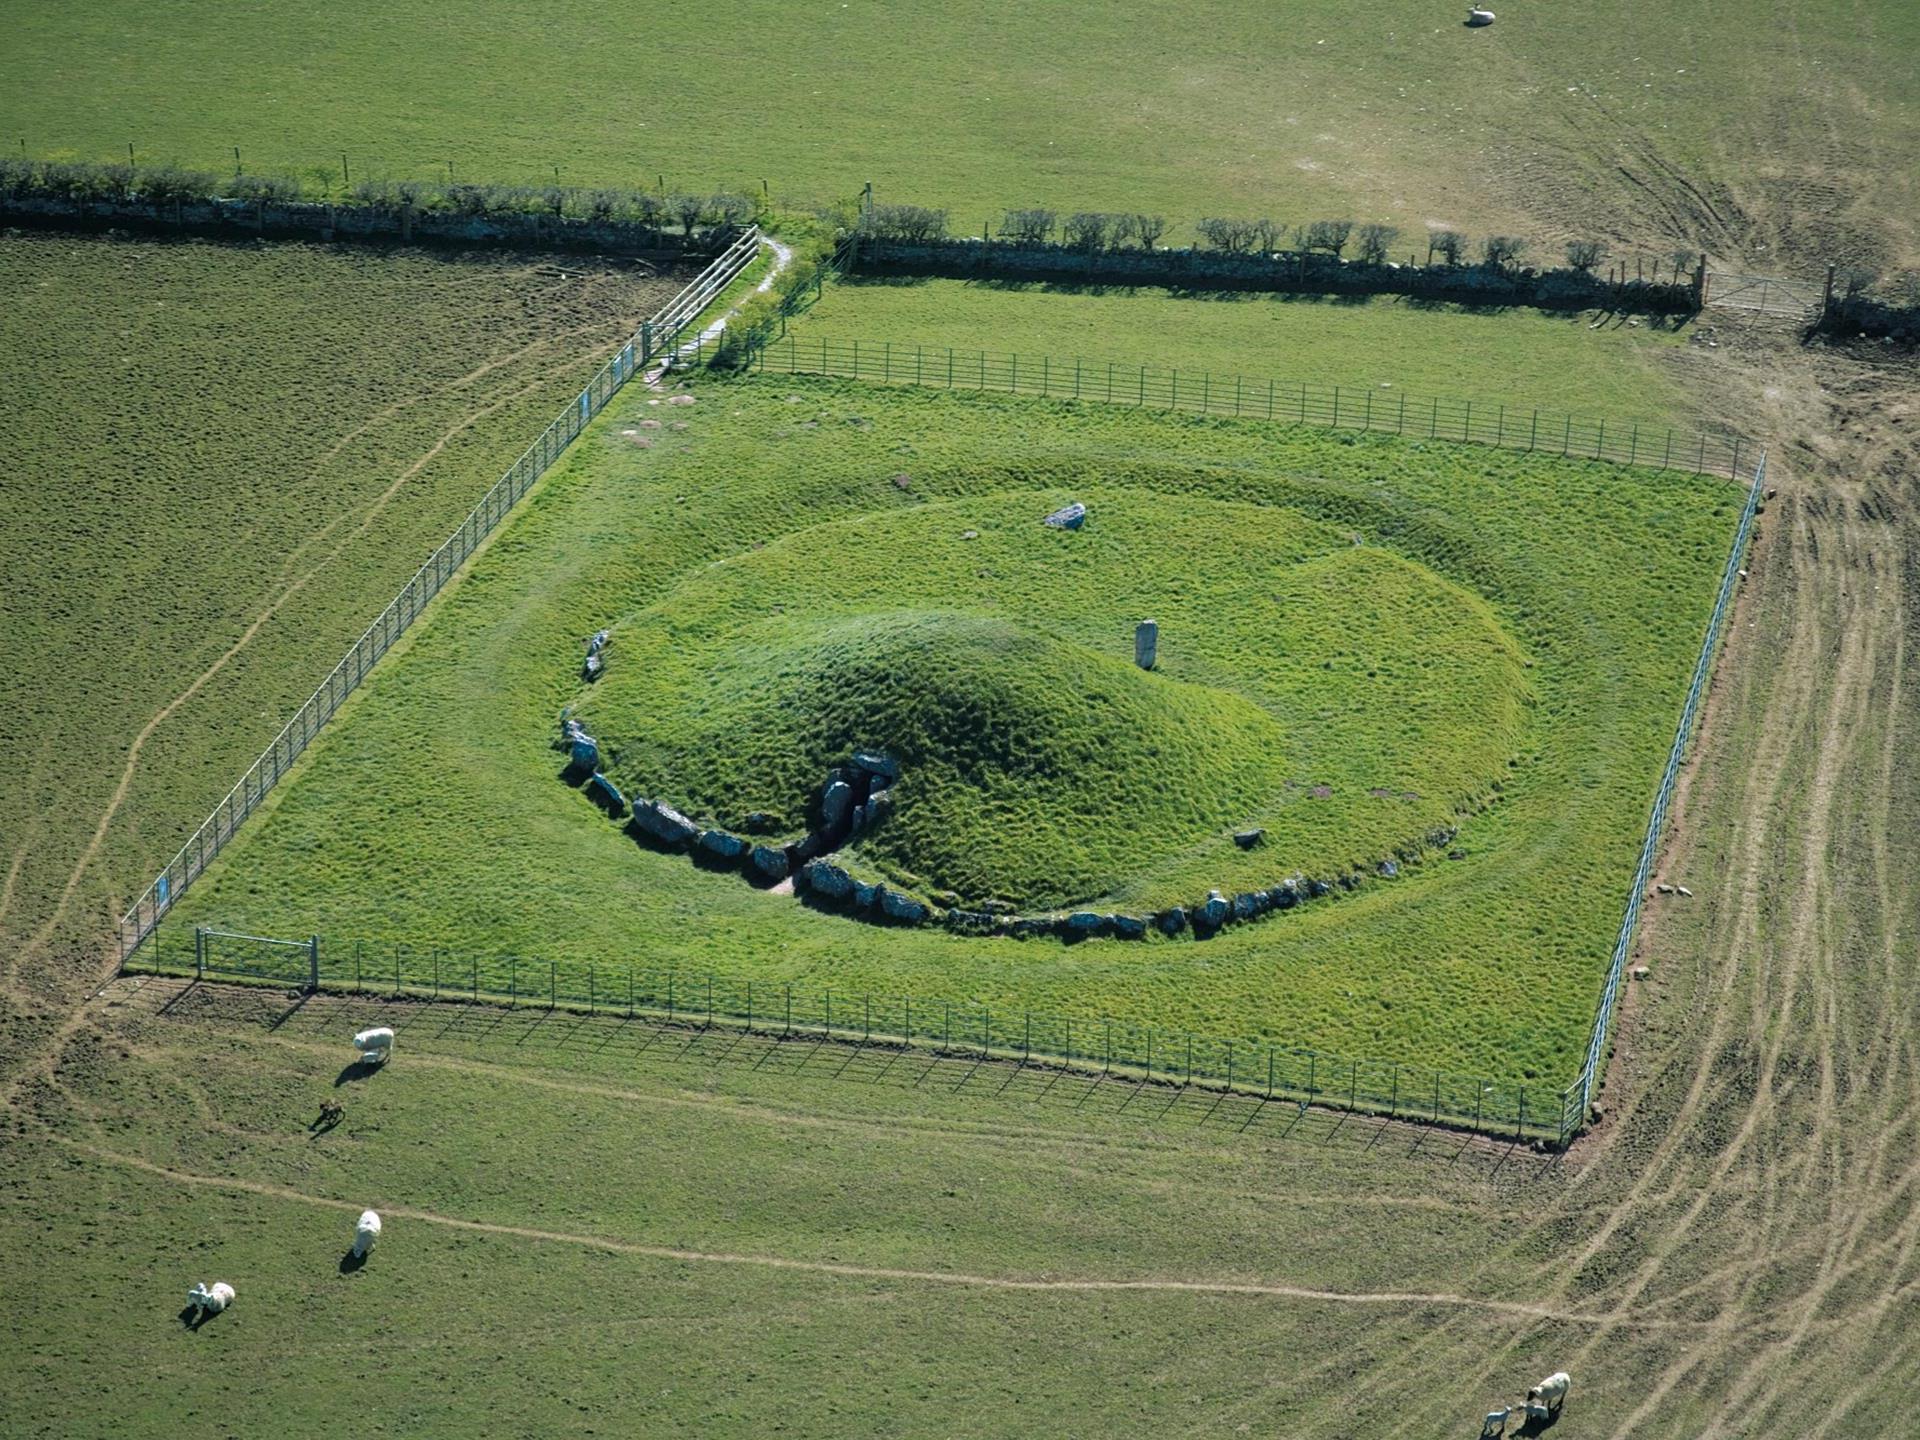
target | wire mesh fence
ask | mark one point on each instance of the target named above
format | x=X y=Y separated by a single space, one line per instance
x=657 y=335
x=1095 y=1044
x=1579 y=1095
x=1384 y=411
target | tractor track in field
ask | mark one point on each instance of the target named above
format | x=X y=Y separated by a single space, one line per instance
x=1482 y=1305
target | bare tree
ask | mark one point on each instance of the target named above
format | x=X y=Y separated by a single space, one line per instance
x=1266 y=235
x=1375 y=241
x=1149 y=229
x=913 y=224
x=1328 y=235
x=730 y=209
x=1856 y=280
x=688 y=210
x=1121 y=229
x=1583 y=255
x=1030 y=227
x=1449 y=245
x=1502 y=250
x=1085 y=230
x=1230 y=237
x=1683 y=263
x=1905 y=288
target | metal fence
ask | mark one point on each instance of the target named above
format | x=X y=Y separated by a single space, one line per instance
x=1579 y=1095
x=1392 y=412
x=657 y=336
x=1764 y=294
x=1099 y=1045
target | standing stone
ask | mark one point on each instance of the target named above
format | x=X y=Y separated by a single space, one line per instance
x=1067 y=517
x=834 y=803
x=1146 y=643
x=1213 y=914
x=770 y=861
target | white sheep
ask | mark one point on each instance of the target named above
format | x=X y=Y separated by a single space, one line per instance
x=375 y=1045
x=365 y=1233
x=210 y=1299
x=1495 y=1425
x=1545 y=1399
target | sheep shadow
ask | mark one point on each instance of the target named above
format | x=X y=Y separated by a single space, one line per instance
x=194 y=1316
x=352 y=1261
x=359 y=1069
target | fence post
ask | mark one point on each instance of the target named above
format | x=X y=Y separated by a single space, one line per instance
x=1269 y=1072
x=553 y=984
x=475 y=962
x=513 y=981
x=788 y=1030
x=199 y=953
x=709 y=1000
x=1393 y=1106
x=592 y=992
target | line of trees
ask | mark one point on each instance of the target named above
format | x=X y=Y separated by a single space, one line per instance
x=1368 y=243
x=89 y=183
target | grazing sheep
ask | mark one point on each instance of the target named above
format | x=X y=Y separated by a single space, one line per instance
x=1495 y=1425
x=365 y=1233
x=1545 y=1399
x=375 y=1045
x=1477 y=16
x=210 y=1299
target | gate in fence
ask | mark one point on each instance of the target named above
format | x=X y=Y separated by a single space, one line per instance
x=257 y=957
x=1763 y=294
x=657 y=336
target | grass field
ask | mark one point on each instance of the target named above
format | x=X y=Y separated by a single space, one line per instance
x=1559 y=119
x=1525 y=359
x=430 y=813
x=222 y=461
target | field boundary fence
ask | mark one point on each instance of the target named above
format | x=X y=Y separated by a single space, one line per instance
x=1336 y=407
x=656 y=336
x=1093 y=1045
x=1579 y=1095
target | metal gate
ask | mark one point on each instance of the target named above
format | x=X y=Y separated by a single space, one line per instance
x=257 y=957
x=1763 y=294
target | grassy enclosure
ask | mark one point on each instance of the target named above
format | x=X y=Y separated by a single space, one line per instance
x=222 y=460
x=1603 y=118
x=431 y=814
x=1525 y=358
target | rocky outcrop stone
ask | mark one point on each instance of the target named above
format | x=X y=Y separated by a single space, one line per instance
x=1247 y=839
x=1128 y=927
x=877 y=762
x=865 y=896
x=1248 y=904
x=770 y=861
x=835 y=801
x=1173 y=921
x=828 y=881
x=607 y=796
x=1083 y=923
x=726 y=846
x=904 y=908
x=1213 y=914
x=663 y=823
x=1389 y=869
x=1067 y=517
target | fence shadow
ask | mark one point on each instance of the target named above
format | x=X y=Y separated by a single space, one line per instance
x=563 y=1038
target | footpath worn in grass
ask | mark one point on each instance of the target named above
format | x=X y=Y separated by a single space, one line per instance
x=431 y=813
x=1345 y=699
x=1766 y=120
x=1523 y=359
x=221 y=461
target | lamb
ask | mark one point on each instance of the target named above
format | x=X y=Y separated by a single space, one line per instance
x=375 y=1045
x=207 y=1300
x=365 y=1233
x=332 y=1112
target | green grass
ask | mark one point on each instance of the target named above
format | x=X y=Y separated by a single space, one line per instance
x=430 y=812
x=1345 y=699
x=610 y=1139
x=1387 y=109
x=1524 y=359
x=221 y=462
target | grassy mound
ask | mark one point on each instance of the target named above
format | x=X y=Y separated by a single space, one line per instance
x=1341 y=697
x=1033 y=772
